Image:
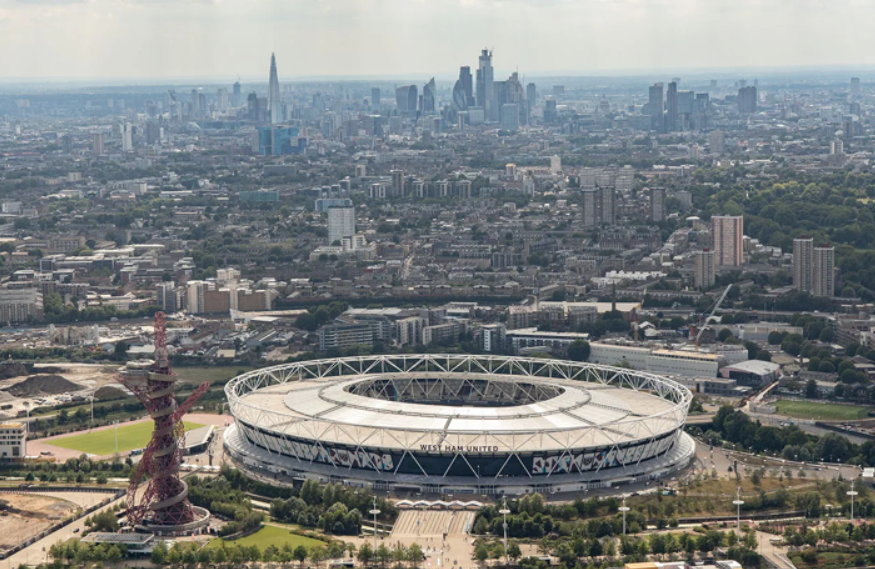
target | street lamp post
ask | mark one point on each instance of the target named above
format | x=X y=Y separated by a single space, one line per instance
x=624 y=509
x=375 y=512
x=738 y=503
x=852 y=493
x=504 y=512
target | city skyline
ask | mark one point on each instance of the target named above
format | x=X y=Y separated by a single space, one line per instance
x=60 y=39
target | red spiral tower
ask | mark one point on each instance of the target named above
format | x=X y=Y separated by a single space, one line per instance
x=163 y=505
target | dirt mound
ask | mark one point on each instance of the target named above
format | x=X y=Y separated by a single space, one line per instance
x=36 y=385
x=108 y=393
x=9 y=369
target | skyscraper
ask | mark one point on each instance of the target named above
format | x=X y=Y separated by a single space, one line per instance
x=467 y=85
x=715 y=141
x=127 y=137
x=551 y=112
x=341 y=223
x=531 y=97
x=195 y=103
x=855 y=85
x=510 y=117
x=375 y=97
x=97 y=143
x=747 y=99
x=705 y=277
x=237 y=95
x=671 y=105
x=589 y=208
x=657 y=108
x=803 y=252
x=397 y=182
x=273 y=94
x=727 y=240
x=657 y=204
x=486 y=86
x=406 y=98
x=429 y=92
x=609 y=210
x=460 y=97
x=823 y=271
x=167 y=297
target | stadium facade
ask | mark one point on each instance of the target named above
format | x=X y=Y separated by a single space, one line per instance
x=458 y=423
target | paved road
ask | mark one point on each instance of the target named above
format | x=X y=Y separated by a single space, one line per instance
x=777 y=555
x=806 y=426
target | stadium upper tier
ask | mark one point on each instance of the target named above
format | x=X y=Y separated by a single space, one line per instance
x=429 y=403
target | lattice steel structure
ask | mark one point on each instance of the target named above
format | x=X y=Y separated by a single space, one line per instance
x=463 y=420
x=163 y=505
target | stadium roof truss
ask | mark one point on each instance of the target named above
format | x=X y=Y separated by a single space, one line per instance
x=464 y=370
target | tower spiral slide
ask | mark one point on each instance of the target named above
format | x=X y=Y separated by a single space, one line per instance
x=162 y=506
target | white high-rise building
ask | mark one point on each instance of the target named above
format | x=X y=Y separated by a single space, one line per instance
x=194 y=295
x=727 y=240
x=341 y=223
x=715 y=141
x=589 y=208
x=167 y=297
x=555 y=164
x=609 y=210
x=705 y=276
x=127 y=138
x=823 y=271
x=625 y=179
x=657 y=204
x=803 y=256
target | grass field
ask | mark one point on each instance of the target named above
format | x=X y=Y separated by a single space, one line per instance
x=211 y=374
x=823 y=411
x=271 y=535
x=102 y=443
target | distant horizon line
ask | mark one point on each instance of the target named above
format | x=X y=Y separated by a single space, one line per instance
x=630 y=73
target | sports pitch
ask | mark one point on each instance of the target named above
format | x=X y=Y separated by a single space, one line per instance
x=823 y=411
x=102 y=443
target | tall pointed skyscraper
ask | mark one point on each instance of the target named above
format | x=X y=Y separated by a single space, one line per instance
x=273 y=94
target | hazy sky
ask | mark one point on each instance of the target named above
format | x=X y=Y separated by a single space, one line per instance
x=155 y=39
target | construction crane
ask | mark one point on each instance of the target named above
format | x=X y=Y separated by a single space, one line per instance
x=713 y=311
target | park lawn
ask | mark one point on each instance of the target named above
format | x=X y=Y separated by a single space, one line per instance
x=271 y=535
x=102 y=443
x=823 y=411
x=211 y=374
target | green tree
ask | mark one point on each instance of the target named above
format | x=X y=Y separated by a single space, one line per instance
x=300 y=554
x=514 y=552
x=481 y=553
x=159 y=553
x=307 y=321
x=579 y=351
x=383 y=555
x=415 y=554
x=365 y=554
